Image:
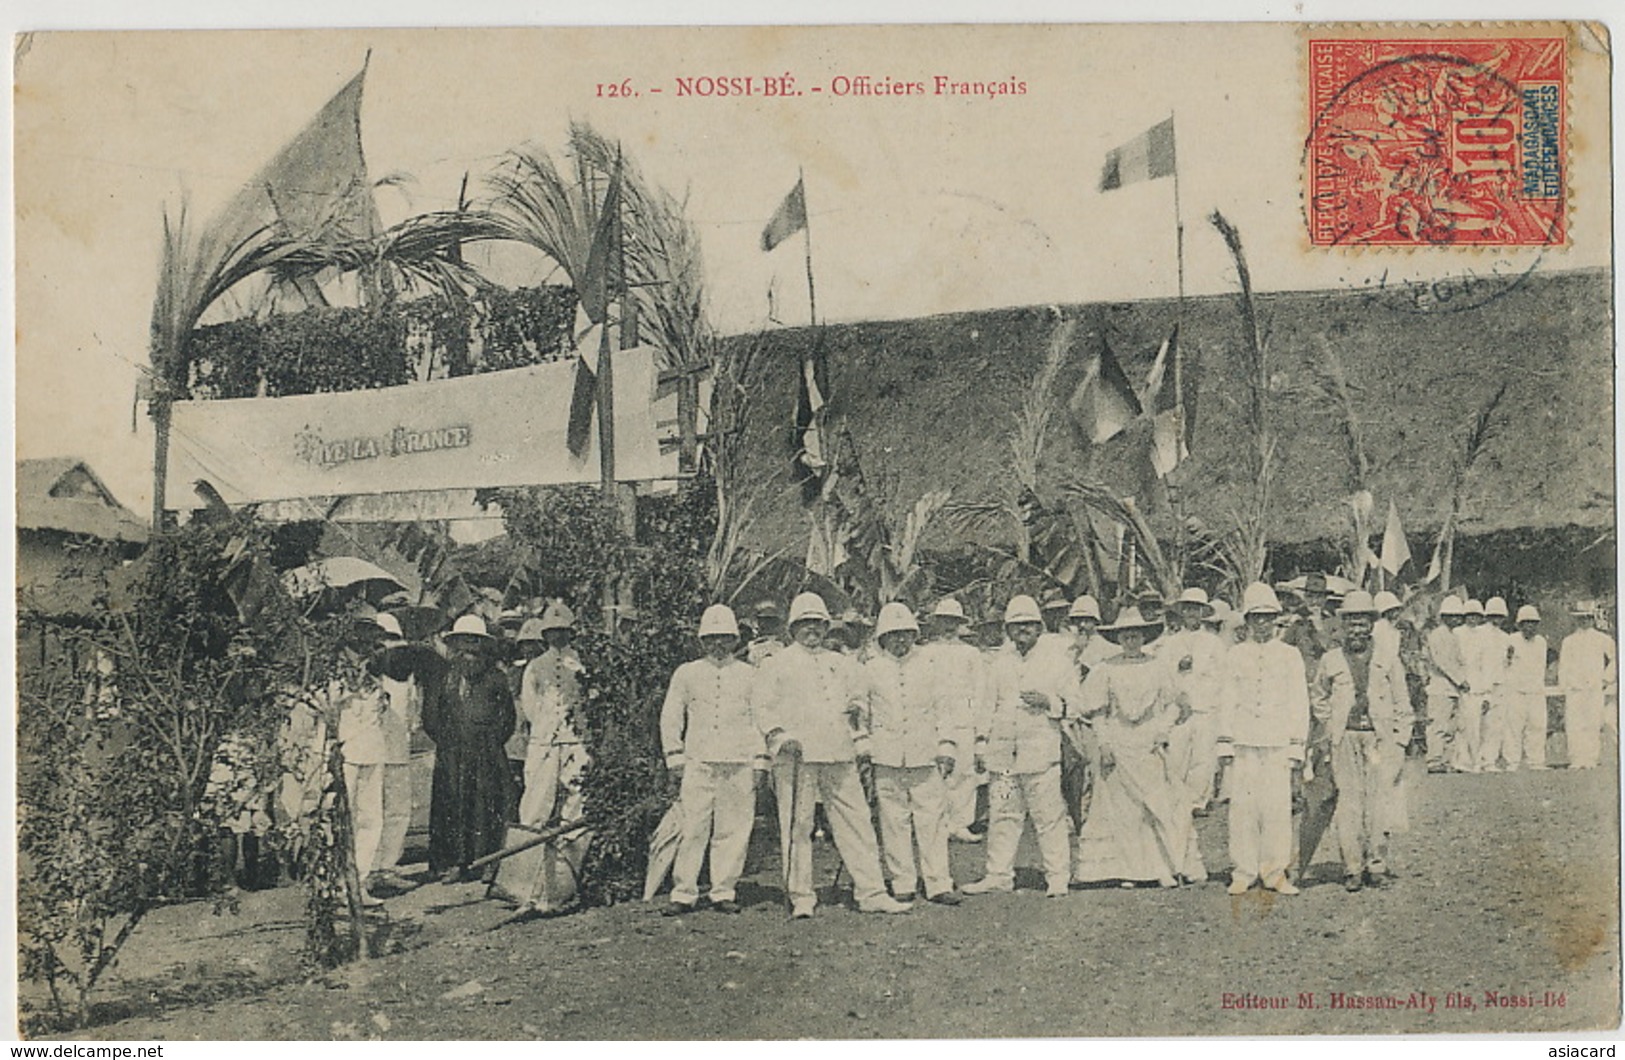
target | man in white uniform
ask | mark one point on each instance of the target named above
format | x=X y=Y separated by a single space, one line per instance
x=1481 y=679
x=1021 y=748
x=375 y=739
x=1194 y=653
x=1447 y=684
x=963 y=682
x=713 y=749
x=1495 y=753
x=1525 y=693
x=1263 y=722
x=1587 y=671
x=804 y=705
x=913 y=741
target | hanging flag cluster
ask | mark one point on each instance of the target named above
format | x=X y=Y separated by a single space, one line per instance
x=597 y=290
x=1105 y=402
x=1164 y=403
x=1146 y=157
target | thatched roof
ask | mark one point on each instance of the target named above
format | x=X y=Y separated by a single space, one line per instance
x=931 y=403
x=62 y=494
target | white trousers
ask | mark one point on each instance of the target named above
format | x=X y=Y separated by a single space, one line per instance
x=1442 y=707
x=718 y=803
x=1526 y=745
x=913 y=809
x=798 y=785
x=1498 y=726
x=1012 y=798
x=549 y=767
x=380 y=813
x=1582 y=725
x=1469 y=732
x=1260 y=782
x=962 y=785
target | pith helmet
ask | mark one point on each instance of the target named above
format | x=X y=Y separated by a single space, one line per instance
x=1473 y=607
x=948 y=607
x=1386 y=602
x=1528 y=613
x=1496 y=607
x=1198 y=596
x=469 y=626
x=1452 y=605
x=1357 y=602
x=1085 y=606
x=808 y=606
x=1260 y=599
x=895 y=617
x=718 y=621
x=1022 y=609
x=531 y=630
x=393 y=637
x=558 y=616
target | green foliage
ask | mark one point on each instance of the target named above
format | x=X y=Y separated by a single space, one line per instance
x=119 y=726
x=334 y=349
x=574 y=547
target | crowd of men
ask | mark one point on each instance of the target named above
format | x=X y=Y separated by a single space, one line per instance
x=1111 y=738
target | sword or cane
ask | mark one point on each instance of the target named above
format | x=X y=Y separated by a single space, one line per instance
x=536 y=840
x=789 y=836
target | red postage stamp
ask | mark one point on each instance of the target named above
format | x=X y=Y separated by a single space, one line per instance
x=1436 y=142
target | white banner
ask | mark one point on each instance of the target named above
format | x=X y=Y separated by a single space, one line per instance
x=496 y=429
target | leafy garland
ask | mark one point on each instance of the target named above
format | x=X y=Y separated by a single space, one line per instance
x=330 y=349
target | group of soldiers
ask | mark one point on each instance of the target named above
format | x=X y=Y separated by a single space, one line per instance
x=1111 y=738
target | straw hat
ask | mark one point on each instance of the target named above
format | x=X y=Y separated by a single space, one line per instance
x=1127 y=619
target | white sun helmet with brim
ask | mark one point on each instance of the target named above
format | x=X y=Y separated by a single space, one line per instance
x=1260 y=599
x=1528 y=613
x=1496 y=607
x=895 y=618
x=808 y=607
x=1357 y=602
x=1385 y=602
x=949 y=607
x=1452 y=606
x=719 y=621
x=1021 y=609
x=1085 y=606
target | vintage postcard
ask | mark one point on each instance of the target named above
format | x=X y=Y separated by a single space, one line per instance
x=939 y=531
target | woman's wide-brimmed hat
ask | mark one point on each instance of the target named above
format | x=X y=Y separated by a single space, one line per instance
x=1130 y=618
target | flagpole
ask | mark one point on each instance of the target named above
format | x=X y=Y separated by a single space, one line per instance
x=1179 y=364
x=806 y=232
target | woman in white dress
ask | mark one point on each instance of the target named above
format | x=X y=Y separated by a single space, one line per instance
x=1139 y=827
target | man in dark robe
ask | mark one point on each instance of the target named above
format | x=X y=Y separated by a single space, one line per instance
x=469 y=717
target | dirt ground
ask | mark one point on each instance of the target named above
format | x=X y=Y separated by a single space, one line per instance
x=1507 y=884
